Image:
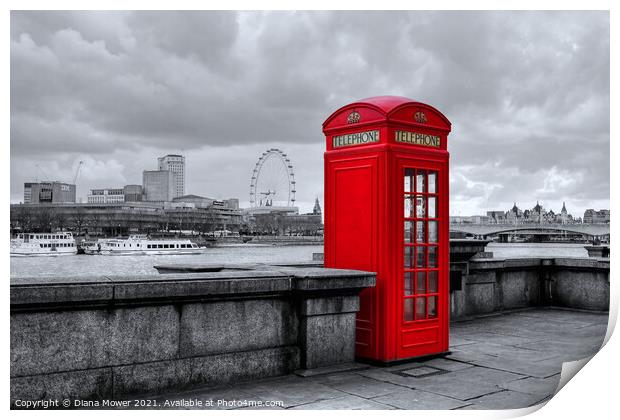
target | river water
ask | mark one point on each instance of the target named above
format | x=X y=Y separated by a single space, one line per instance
x=233 y=254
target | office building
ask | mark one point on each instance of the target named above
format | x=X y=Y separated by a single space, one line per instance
x=127 y=194
x=158 y=185
x=48 y=192
x=176 y=165
x=133 y=193
x=106 y=196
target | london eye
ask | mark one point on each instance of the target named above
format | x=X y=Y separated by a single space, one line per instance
x=273 y=180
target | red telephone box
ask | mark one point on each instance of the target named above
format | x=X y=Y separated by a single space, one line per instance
x=386 y=210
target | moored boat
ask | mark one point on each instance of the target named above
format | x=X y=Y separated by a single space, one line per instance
x=142 y=244
x=43 y=244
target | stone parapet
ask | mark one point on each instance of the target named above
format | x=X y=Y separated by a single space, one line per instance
x=492 y=284
x=110 y=337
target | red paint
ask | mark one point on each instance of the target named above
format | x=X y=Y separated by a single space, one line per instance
x=366 y=227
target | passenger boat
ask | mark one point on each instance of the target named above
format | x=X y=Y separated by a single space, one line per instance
x=43 y=244
x=142 y=244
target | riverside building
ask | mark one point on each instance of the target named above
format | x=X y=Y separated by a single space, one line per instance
x=176 y=165
x=129 y=193
x=48 y=192
x=158 y=185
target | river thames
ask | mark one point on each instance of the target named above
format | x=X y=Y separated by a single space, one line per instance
x=143 y=264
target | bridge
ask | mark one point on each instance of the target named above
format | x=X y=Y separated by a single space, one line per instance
x=594 y=231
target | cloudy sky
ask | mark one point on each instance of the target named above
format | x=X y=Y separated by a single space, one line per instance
x=527 y=94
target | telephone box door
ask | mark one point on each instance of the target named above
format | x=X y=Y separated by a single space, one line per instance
x=423 y=296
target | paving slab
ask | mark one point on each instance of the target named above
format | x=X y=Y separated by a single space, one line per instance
x=439 y=363
x=350 y=402
x=495 y=338
x=568 y=348
x=566 y=315
x=493 y=349
x=485 y=375
x=534 y=386
x=218 y=396
x=360 y=385
x=506 y=400
x=415 y=399
x=460 y=387
x=390 y=377
x=539 y=369
x=291 y=391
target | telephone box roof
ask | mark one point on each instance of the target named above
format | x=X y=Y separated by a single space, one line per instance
x=386 y=105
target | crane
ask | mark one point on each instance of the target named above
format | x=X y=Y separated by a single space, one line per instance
x=77 y=171
x=42 y=172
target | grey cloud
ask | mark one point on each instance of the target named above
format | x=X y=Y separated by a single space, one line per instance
x=527 y=92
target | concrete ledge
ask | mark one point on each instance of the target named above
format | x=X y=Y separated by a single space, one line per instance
x=35 y=292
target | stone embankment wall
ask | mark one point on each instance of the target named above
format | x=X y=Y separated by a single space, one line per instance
x=485 y=285
x=105 y=337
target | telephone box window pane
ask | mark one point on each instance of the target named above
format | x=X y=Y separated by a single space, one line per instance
x=408 y=310
x=421 y=282
x=420 y=257
x=408 y=256
x=432 y=256
x=432 y=307
x=408 y=283
x=419 y=232
x=408 y=180
x=432 y=282
x=420 y=205
x=432 y=182
x=408 y=231
x=420 y=308
x=420 y=181
x=432 y=213
x=432 y=232
x=409 y=206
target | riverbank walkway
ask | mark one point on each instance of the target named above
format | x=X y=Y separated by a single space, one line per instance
x=510 y=360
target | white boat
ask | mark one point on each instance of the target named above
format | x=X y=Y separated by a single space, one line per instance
x=43 y=244
x=142 y=244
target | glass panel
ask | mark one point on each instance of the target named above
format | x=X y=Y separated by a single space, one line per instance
x=419 y=232
x=432 y=213
x=408 y=310
x=420 y=205
x=420 y=308
x=420 y=257
x=420 y=181
x=408 y=256
x=432 y=232
x=432 y=307
x=408 y=180
x=432 y=256
x=408 y=283
x=421 y=282
x=432 y=182
x=409 y=206
x=432 y=282
x=408 y=231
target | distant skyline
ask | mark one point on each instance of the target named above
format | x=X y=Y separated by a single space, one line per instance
x=527 y=94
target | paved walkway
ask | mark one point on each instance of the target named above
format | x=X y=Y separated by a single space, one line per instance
x=497 y=362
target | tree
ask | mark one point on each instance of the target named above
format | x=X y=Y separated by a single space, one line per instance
x=207 y=221
x=25 y=218
x=59 y=219
x=44 y=217
x=79 y=219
